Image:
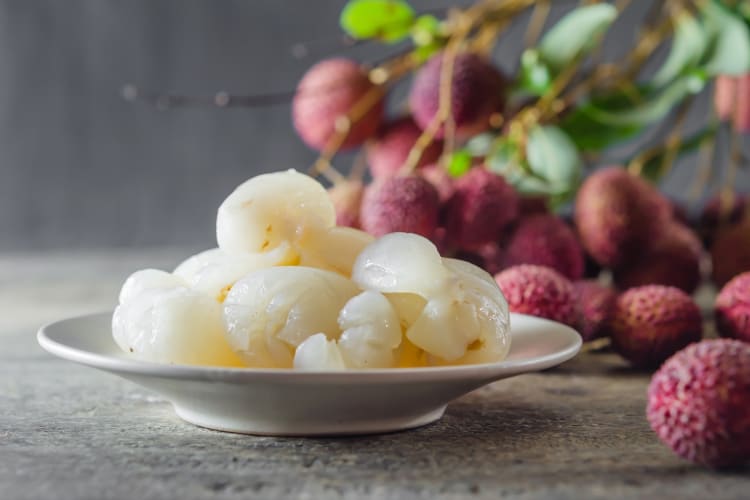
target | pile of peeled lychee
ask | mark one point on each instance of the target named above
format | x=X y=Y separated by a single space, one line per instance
x=623 y=267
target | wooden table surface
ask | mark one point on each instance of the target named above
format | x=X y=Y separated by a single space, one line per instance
x=68 y=431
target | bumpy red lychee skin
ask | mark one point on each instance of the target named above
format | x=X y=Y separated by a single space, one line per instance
x=732 y=308
x=720 y=212
x=699 y=403
x=328 y=91
x=489 y=257
x=596 y=304
x=532 y=205
x=652 y=322
x=539 y=291
x=673 y=259
x=400 y=204
x=347 y=199
x=481 y=206
x=477 y=91
x=725 y=96
x=442 y=180
x=617 y=214
x=387 y=153
x=730 y=253
x=741 y=109
x=545 y=240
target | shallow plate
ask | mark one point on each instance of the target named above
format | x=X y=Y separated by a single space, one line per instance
x=287 y=402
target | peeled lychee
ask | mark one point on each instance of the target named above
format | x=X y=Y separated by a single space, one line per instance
x=652 y=322
x=596 y=304
x=400 y=204
x=539 y=291
x=326 y=93
x=347 y=198
x=481 y=206
x=732 y=308
x=699 y=403
x=673 y=259
x=617 y=214
x=545 y=240
x=477 y=91
x=387 y=153
x=730 y=253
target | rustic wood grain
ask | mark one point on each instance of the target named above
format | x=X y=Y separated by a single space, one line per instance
x=68 y=431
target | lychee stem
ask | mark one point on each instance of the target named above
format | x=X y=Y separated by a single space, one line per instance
x=706 y=155
x=536 y=23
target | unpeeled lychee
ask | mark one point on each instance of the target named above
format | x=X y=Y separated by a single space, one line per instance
x=477 y=91
x=596 y=305
x=732 y=308
x=699 y=403
x=672 y=259
x=441 y=179
x=730 y=253
x=532 y=205
x=347 y=198
x=482 y=204
x=720 y=211
x=652 y=322
x=387 y=153
x=400 y=204
x=539 y=291
x=545 y=240
x=326 y=93
x=489 y=257
x=617 y=214
x=725 y=96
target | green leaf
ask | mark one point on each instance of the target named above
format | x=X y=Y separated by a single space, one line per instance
x=589 y=134
x=480 y=145
x=653 y=108
x=553 y=157
x=688 y=46
x=460 y=163
x=730 y=53
x=575 y=34
x=534 y=76
x=388 y=20
x=425 y=30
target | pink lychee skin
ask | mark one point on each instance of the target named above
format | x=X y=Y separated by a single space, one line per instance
x=699 y=403
x=539 y=291
x=481 y=206
x=489 y=257
x=596 y=304
x=652 y=322
x=442 y=180
x=328 y=91
x=477 y=91
x=545 y=240
x=400 y=204
x=732 y=308
x=730 y=253
x=672 y=259
x=719 y=213
x=617 y=214
x=532 y=205
x=347 y=198
x=388 y=152
x=725 y=96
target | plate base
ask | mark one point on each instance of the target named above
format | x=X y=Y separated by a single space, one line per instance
x=325 y=428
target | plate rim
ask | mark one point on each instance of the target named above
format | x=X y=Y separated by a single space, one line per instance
x=242 y=374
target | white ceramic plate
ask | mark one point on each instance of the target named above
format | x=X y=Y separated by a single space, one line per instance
x=287 y=402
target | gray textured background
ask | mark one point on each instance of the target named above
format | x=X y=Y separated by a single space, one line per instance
x=79 y=167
